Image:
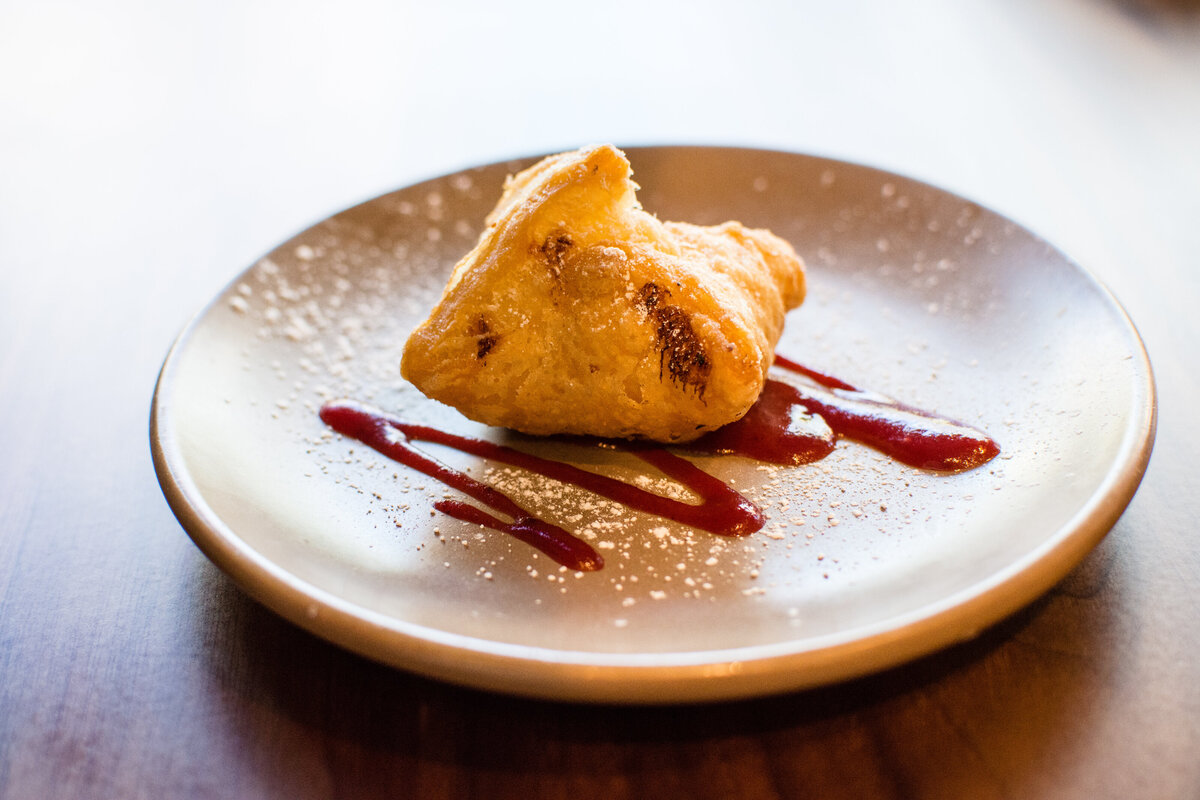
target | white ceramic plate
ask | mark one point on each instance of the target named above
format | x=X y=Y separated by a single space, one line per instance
x=864 y=563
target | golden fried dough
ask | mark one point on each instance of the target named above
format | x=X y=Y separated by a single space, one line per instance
x=578 y=312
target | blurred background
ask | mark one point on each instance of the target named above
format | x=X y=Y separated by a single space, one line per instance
x=189 y=138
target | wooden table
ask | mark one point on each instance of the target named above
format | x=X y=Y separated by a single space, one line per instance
x=149 y=152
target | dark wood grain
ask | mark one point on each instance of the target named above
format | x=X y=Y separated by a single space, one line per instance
x=148 y=154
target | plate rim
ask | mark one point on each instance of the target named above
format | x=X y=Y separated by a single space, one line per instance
x=660 y=678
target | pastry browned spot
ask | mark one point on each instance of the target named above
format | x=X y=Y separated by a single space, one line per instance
x=485 y=342
x=555 y=247
x=680 y=351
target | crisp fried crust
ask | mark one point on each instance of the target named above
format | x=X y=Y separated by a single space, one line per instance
x=578 y=312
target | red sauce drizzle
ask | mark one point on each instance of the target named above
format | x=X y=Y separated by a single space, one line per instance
x=721 y=510
x=909 y=435
x=777 y=429
x=788 y=425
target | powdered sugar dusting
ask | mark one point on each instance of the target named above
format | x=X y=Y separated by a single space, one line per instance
x=327 y=316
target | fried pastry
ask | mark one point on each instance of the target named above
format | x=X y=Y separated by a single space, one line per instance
x=577 y=312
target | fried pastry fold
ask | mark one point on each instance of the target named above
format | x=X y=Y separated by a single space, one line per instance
x=577 y=312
